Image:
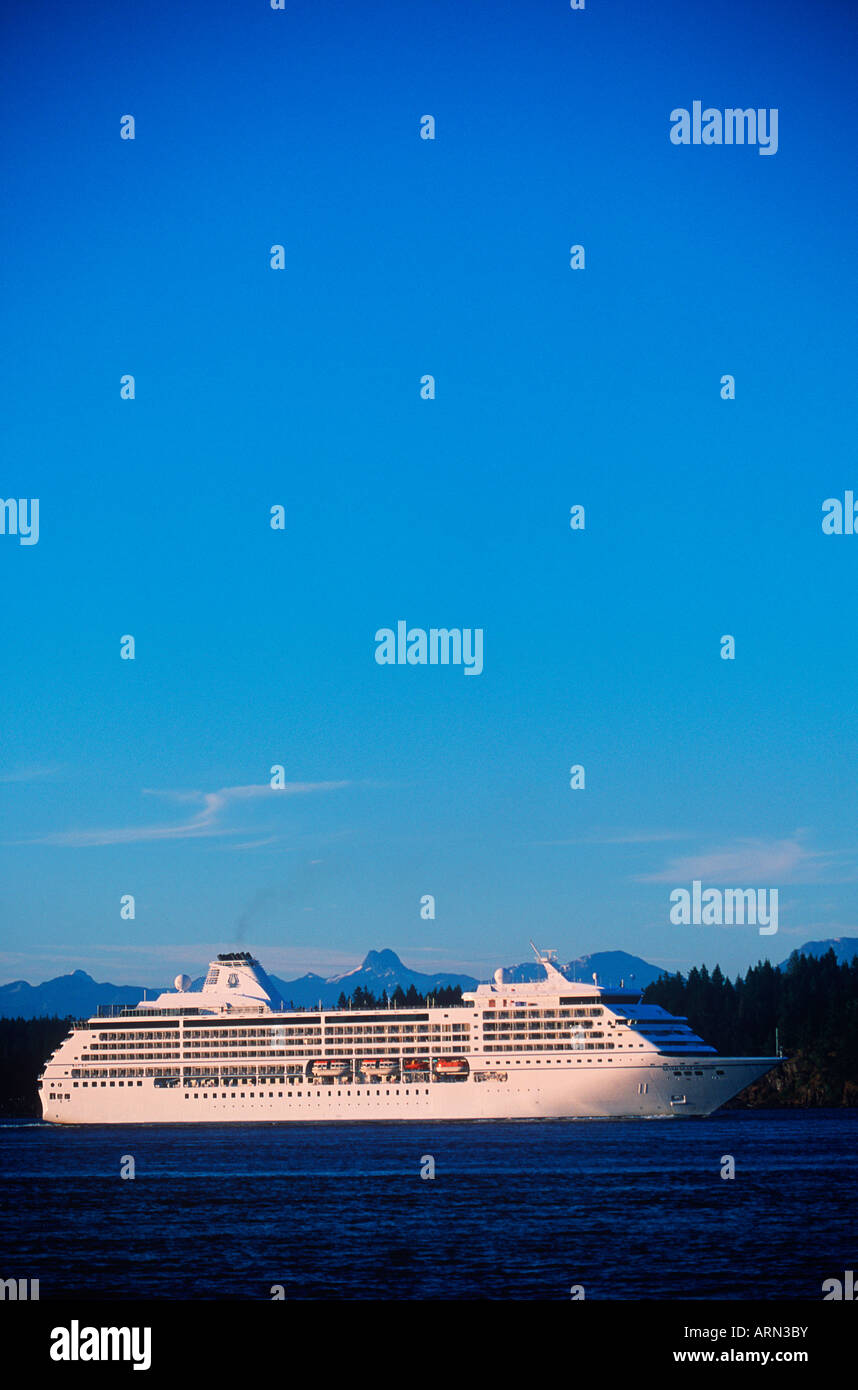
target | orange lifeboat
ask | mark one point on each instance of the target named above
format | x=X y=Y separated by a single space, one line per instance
x=451 y=1066
x=416 y=1064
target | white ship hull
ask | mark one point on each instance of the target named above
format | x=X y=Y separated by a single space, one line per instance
x=534 y=1089
x=544 y=1049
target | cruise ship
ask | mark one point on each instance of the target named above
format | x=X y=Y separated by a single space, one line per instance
x=546 y=1049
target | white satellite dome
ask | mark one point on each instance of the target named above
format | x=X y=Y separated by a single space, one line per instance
x=183 y=983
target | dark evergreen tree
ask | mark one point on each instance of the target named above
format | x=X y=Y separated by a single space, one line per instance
x=811 y=1005
x=25 y=1046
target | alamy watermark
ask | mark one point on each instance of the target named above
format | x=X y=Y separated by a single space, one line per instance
x=15 y=521
x=840 y=1290
x=839 y=518
x=76 y=1343
x=439 y=646
x=16 y=1289
x=715 y=907
x=732 y=126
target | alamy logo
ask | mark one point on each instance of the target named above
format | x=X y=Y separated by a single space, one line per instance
x=732 y=126
x=76 y=1343
x=840 y=1290
x=840 y=517
x=19 y=1289
x=723 y=907
x=440 y=646
x=14 y=521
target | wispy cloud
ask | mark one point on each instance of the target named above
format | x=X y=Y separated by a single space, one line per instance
x=258 y=844
x=28 y=774
x=751 y=861
x=207 y=820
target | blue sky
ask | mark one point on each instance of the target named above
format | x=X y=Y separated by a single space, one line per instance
x=302 y=387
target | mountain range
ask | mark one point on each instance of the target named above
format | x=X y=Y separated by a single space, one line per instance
x=79 y=995
x=844 y=948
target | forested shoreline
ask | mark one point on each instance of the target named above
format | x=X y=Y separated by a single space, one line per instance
x=810 y=1005
x=25 y=1046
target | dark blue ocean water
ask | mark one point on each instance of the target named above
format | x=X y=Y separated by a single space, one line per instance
x=517 y=1210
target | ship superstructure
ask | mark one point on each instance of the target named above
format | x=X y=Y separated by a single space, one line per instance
x=548 y=1048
